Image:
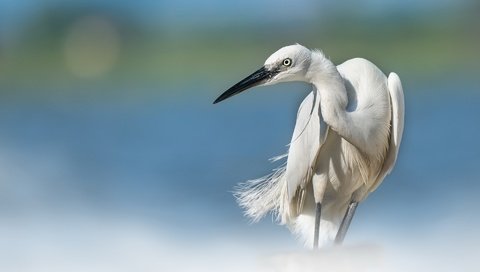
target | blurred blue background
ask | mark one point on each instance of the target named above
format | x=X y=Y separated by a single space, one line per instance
x=113 y=158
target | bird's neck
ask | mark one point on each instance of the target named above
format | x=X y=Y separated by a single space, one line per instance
x=324 y=75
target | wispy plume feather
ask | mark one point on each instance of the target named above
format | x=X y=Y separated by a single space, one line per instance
x=263 y=195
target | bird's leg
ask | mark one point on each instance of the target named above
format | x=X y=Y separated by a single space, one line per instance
x=347 y=219
x=318 y=213
x=319 y=184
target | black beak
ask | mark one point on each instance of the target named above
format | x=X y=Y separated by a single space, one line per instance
x=258 y=77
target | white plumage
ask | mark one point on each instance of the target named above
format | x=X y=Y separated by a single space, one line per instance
x=346 y=140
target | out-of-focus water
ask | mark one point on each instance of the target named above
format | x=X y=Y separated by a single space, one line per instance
x=171 y=163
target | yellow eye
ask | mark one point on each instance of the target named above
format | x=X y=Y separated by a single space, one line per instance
x=287 y=62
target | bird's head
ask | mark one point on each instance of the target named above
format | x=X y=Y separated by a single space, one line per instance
x=289 y=63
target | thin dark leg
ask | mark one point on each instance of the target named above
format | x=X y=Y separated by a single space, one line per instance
x=347 y=219
x=318 y=213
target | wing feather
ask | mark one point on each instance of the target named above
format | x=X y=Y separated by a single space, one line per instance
x=398 y=111
x=309 y=134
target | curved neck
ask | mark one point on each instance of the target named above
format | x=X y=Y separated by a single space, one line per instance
x=334 y=100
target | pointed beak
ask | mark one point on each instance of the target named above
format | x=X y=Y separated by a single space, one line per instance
x=258 y=77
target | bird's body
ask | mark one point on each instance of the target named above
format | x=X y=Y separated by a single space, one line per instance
x=345 y=141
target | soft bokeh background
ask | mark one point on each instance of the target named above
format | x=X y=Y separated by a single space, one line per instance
x=112 y=157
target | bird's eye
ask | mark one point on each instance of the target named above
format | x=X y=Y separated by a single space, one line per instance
x=287 y=62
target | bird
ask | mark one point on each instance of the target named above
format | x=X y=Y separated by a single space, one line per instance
x=346 y=140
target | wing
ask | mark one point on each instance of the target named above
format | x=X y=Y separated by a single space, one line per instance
x=309 y=134
x=398 y=111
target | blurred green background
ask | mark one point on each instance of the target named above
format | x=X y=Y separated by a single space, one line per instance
x=113 y=158
x=61 y=47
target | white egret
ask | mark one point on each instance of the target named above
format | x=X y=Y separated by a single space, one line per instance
x=346 y=140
